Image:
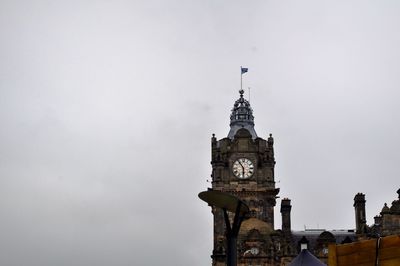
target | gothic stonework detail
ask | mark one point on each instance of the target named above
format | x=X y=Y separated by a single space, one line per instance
x=243 y=165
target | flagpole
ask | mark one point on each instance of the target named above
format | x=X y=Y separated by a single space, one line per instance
x=241 y=78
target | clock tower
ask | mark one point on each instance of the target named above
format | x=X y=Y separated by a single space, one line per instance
x=243 y=165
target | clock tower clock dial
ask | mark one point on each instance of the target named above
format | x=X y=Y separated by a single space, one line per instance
x=243 y=168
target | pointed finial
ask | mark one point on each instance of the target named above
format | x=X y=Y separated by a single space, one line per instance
x=270 y=140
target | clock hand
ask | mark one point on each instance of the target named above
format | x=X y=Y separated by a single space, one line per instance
x=242 y=168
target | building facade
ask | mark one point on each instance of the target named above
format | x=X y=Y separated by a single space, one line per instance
x=243 y=165
x=385 y=224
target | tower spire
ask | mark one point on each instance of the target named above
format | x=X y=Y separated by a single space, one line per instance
x=242 y=117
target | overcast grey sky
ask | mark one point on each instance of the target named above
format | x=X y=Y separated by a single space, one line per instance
x=107 y=110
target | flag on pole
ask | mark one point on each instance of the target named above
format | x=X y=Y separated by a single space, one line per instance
x=244 y=69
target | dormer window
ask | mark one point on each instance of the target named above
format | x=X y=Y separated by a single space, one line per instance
x=325 y=251
x=303 y=243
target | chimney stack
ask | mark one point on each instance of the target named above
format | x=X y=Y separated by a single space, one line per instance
x=359 y=207
x=285 y=211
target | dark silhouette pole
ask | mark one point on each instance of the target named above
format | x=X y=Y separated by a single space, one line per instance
x=227 y=203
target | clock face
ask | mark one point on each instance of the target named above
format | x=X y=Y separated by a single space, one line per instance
x=243 y=168
x=254 y=251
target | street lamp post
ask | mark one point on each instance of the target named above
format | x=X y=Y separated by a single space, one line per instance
x=228 y=202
